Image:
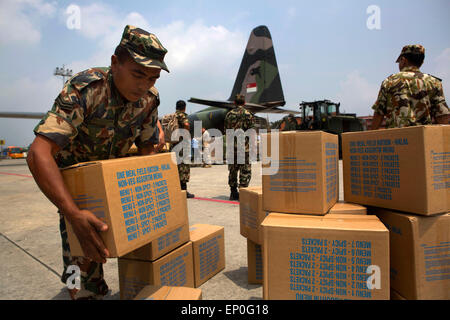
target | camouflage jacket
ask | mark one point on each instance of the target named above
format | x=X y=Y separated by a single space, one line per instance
x=289 y=124
x=410 y=98
x=240 y=118
x=183 y=120
x=90 y=120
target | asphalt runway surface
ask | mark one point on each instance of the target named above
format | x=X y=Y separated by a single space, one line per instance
x=30 y=243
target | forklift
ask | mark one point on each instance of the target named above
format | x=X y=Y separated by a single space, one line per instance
x=325 y=115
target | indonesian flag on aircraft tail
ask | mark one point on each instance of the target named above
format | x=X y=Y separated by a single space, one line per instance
x=251 y=87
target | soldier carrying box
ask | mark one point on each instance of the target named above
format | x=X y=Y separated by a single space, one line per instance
x=98 y=115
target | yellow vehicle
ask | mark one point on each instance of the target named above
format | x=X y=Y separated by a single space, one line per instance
x=15 y=152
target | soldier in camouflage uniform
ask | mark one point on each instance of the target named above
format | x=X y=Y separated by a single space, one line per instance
x=289 y=123
x=410 y=97
x=184 y=169
x=98 y=115
x=239 y=118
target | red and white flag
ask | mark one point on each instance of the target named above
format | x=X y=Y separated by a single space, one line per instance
x=251 y=87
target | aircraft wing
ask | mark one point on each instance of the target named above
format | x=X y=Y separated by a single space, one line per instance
x=22 y=115
x=252 y=107
x=213 y=103
x=278 y=110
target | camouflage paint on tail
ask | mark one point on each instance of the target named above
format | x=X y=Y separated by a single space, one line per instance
x=258 y=78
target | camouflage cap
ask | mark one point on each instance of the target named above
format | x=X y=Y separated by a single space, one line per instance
x=239 y=97
x=412 y=48
x=144 y=47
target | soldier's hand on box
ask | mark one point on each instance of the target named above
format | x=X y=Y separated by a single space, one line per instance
x=87 y=227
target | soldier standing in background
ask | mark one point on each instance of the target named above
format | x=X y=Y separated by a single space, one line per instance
x=410 y=97
x=98 y=115
x=239 y=118
x=184 y=169
x=289 y=123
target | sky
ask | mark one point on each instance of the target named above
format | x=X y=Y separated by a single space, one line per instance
x=332 y=49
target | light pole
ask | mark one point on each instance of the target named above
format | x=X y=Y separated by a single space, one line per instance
x=63 y=73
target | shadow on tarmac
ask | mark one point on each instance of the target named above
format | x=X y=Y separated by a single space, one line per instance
x=240 y=278
x=227 y=198
x=64 y=295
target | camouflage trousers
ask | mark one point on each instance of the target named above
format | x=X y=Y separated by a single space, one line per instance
x=184 y=170
x=92 y=284
x=245 y=175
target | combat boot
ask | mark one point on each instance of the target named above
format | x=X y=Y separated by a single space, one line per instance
x=234 y=195
x=188 y=194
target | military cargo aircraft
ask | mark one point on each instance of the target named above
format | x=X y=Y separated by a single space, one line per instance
x=258 y=80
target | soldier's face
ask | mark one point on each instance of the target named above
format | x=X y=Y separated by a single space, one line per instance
x=401 y=63
x=132 y=79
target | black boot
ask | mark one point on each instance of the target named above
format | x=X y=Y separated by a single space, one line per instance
x=189 y=195
x=234 y=195
x=184 y=187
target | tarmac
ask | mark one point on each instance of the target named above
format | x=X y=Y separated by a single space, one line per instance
x=30 y=243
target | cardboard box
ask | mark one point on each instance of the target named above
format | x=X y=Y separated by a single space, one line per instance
x=139 y=198
x=406 y=169
x=208 y=243
x=169 y=293
x=159 y=247
x=321 y=258
x=251 y=213
x=165 y=243
x=347 y=208
x=307 y=177
x=254 y=263
x=173 y=269
x=420 y=250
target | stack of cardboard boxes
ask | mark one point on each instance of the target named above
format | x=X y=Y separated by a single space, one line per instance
x=140 y=200
x=405 y=175
x=302 y=242
x=312 y=246
x=251 y=215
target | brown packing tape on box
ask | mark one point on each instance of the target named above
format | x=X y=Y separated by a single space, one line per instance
x=347 y=208
x=168 y=293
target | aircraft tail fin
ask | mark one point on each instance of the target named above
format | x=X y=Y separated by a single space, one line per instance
x=258 y=78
